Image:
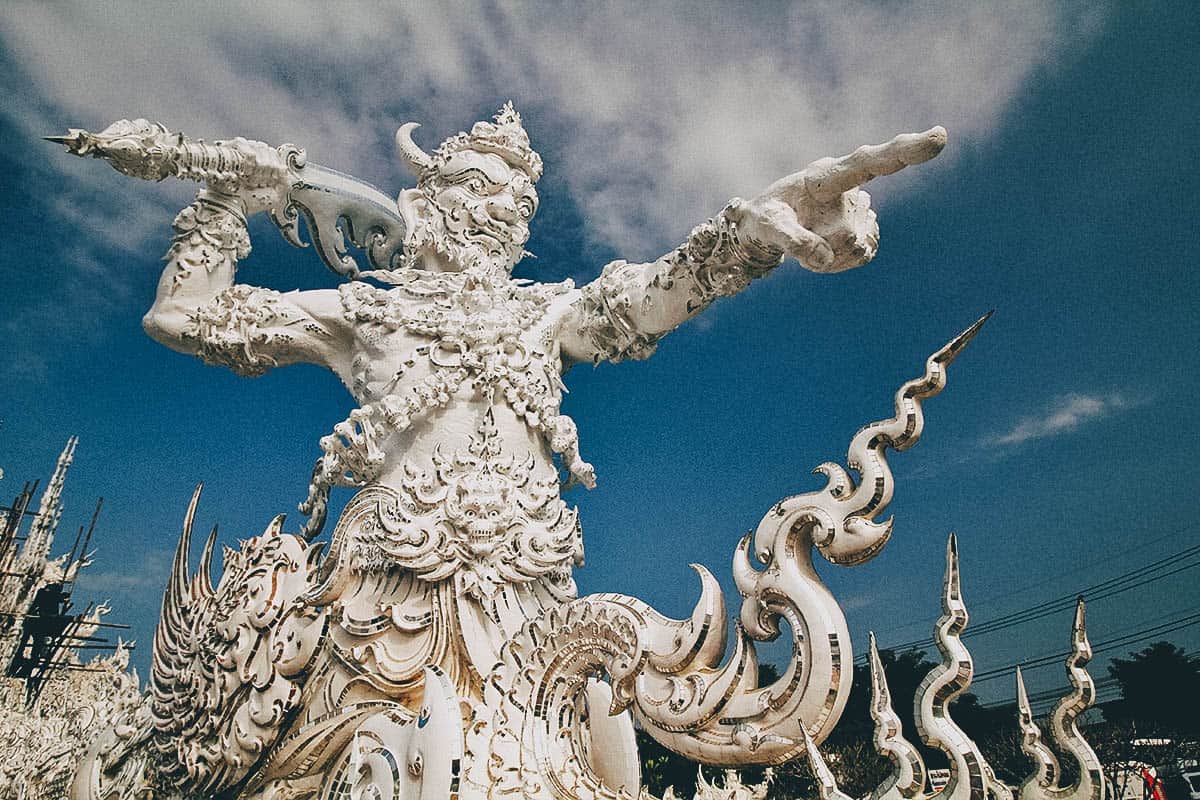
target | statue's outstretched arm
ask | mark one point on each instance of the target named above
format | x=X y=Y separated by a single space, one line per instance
x=819 y=216
x=198 y=309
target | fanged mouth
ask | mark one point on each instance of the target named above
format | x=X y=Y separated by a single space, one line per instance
x=483 y=539
x=502 y=238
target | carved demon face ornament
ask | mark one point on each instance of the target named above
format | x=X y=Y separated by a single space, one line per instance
x=480 y=517
x=481 y=507
x=476 y=192
x=485 y=208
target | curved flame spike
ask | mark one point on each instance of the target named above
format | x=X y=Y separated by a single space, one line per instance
x=764 y=725
x=670 y=673
x=174 y=619
x=827 y=787
x=1064 y=727
x=202 y=580
x=842 y=515
x=970 y=777
x=907 y=778
x=1045 y=764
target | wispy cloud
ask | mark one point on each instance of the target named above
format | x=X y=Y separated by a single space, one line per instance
x=143 y=579
x=660 y=113
x=1059 y=416
x=1063 y=415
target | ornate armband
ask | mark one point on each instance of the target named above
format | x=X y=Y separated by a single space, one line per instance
x=208 y=233
x=236 y=327
x=606 y=321
x=714 y=262
x=719 y=262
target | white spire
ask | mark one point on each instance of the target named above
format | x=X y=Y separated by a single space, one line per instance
x=41 y=532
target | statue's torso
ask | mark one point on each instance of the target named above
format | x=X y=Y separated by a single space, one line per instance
x=460 y=533
x=433 y=354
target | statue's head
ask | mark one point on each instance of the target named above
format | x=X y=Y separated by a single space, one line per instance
x=474 y=197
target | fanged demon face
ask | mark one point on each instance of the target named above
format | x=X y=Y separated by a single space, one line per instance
x=475 y=193
x=485 y=206
x=481 y=508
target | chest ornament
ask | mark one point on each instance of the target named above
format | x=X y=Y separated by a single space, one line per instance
x=477 y=333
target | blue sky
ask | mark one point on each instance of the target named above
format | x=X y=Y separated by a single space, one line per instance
x=1062 y=451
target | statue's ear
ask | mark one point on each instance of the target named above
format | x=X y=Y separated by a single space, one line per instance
x=414 y=209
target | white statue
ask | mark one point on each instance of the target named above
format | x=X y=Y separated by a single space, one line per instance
x=439 y=643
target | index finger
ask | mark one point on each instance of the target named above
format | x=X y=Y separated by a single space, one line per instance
x=833 y=176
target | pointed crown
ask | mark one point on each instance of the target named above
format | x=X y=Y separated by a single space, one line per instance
x=504 y=136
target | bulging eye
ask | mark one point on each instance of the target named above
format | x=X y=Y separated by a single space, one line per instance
x=475 y=185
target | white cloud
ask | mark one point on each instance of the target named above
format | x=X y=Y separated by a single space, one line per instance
x=144 y=581
x=1063 y=415
x=661 y=112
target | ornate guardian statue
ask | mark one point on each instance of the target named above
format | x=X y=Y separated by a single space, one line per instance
x=438 y=645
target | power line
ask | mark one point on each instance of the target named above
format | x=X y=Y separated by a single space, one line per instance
x=1126 y=637
x=1100 y=647
x=1052 y=696
x=1101 y=685
x=1040 y=707
x=1098 y=591
x=1143 y=544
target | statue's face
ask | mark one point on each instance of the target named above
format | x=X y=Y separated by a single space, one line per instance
x=486 y=206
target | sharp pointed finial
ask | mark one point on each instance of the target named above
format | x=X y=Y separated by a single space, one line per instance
x=1022 y=696
x=1045 y=763
x=75 y=140
x=907 y=777
x=1064 y=729
x=1079 y=628
x=952 y=588
x=956 y=345
x=970 y=776
x=826 y=784
x=879 y=688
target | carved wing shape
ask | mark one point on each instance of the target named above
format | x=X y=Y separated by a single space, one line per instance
x=228 y=660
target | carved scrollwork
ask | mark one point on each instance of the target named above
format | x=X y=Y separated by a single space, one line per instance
x=241 y=647
x=398 y=755
x=673 y=675
x=475 y=327
x=714 y=262
x=719 y=261
x=39 y=746
x=209 y=234
x=605 y=320
x=339 y=209
x=480 y=517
